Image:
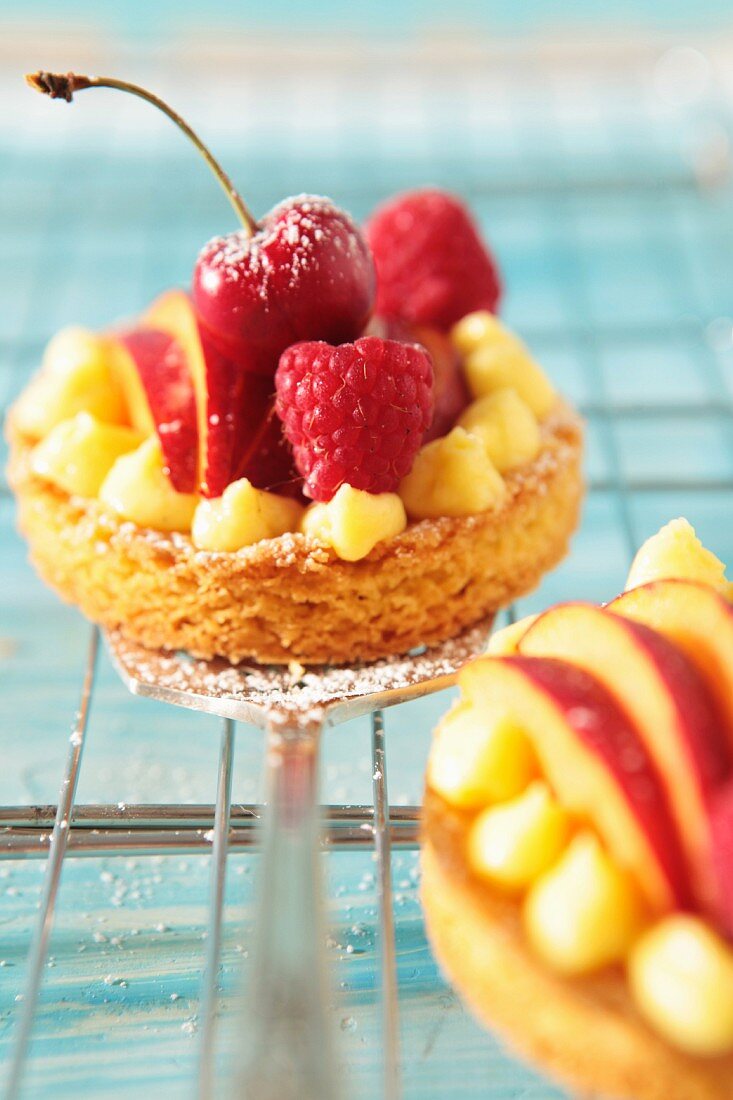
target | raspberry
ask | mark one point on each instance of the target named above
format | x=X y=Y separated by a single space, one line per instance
x=354 y=413
x=432 y=266
x=450 y=392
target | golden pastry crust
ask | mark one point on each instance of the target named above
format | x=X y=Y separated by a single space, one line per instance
x=290 y=598
x=584 y=1032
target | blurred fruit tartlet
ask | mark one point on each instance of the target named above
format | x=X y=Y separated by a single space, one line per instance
x=578 y=833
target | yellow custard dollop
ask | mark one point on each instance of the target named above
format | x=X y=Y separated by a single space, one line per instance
x=512 y=843
x=353 y=521
x=585 y=911
x=460 y=474
x=77 y=454
x=452 y=476
x=241 y=516
x=506 y=426
x=76 y=376
x=496 y=358
x=676 y=552
x=681 y=974
x=477 y=759
x=137 y=488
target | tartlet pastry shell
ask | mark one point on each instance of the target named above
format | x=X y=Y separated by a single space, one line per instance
x=290 y=598
x=585 y=1032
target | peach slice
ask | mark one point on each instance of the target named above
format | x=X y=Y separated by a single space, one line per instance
x=233 y=404
x=173 y=314
x=76 y=376
x=722 y=827
x=595 y=761
x=698 y=620
x=138 y=411
x=668 y=702
x=157 y=382
x=506 y=641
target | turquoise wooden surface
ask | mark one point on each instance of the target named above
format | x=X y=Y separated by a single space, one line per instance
x=619 y=272
x=138 y=19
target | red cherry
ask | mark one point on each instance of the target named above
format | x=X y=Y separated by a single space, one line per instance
x=306 y=273
x=432 y=266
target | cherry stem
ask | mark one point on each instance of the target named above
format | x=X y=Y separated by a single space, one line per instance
x=63 y=86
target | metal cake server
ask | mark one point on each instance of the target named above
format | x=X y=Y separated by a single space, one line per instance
x=287 y=1038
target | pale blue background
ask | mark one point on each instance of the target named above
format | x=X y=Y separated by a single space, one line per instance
x=619 y=270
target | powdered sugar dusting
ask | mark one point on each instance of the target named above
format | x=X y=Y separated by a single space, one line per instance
x=292 y=692
x=303 y=223
x=237 y=257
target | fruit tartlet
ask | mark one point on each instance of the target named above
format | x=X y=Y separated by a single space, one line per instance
x=329 y=450
x=578 y=833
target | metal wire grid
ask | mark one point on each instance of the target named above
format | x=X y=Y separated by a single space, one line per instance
x=363 y=827
x=621 y=488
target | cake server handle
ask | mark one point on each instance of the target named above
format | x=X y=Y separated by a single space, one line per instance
x=288 y=1046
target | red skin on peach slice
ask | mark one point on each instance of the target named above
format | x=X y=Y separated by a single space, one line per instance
x=669 y=703
x=698 y=620
x=722 y=825
x=233 y=404
x=173 y=313
x=237 y=404
x=268 y=463
x=158 y=363
x=594 y=760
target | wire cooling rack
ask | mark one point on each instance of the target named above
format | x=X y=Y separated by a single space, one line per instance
x=604 y=189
